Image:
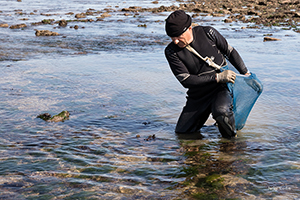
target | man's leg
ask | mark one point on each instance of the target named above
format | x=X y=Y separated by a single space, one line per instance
x=222 y=111
x=193 y=116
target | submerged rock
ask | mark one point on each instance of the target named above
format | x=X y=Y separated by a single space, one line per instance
x=45 y=33
x=64 y=115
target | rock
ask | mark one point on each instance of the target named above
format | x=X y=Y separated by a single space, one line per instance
x=45 y=33
x=297 y=14
x=18 y=26
x=267 y=38
x=63 y=23
x=142 y=25
x=3 y=25
x=105 y=15
x=150 y=137
x=218 y=15
x=44 y=116
x=81 y=15
x=47 y=21
x=228 y=20
x=131 y=9
x=64 y=115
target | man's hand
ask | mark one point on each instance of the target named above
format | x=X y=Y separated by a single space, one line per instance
x=225 y=76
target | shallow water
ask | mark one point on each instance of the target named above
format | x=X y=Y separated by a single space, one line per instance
x=113 y=78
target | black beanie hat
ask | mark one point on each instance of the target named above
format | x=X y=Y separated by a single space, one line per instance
x=177 y=23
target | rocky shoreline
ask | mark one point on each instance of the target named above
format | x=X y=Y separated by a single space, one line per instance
x=257 y=13
x=284 y=13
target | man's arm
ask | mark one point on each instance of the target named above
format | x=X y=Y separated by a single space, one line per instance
x=228 y=51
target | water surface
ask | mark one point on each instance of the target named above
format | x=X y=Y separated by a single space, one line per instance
x=112 y=77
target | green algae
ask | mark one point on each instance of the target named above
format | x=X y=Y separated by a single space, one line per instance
x=62 y=116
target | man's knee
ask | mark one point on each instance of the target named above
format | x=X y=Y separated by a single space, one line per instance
x=226 y=126
x=224 y=110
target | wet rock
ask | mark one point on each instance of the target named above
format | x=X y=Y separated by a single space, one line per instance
x=45 y=33
x=217 y=15
x=297 y=14
x=142 y=25
x=150 y=137
x=86 y=20
x=3 y=25
x=64 y=115
x=80 y=15
x=228 y=20
x=47 y=14
x=44 y=116
x=267 y=38
x=47 y=21
x=105 y=15
x=131 y=9
x=63 y=23
x=36 y=23
x=297 y=30
x=267 y=13
x=17 y=26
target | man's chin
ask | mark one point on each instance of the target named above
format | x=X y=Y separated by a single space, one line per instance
x=182 y=46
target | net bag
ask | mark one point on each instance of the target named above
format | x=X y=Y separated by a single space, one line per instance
x=246 y=91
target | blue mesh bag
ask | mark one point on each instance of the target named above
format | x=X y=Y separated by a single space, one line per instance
x=246 y=91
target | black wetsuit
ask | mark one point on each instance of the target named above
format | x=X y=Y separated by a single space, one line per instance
x=205 y=95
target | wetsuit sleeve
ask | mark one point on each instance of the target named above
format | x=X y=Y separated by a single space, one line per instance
x=182 y=74
x=228 y=51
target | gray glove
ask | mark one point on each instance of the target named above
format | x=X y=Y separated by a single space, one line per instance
x=226 y=76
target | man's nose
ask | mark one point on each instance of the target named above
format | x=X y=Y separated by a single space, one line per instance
x=176 y=41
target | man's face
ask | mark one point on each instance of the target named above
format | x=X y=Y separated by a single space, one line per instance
x=184 y=39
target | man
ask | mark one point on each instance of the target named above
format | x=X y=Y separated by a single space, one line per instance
x=207 y=89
